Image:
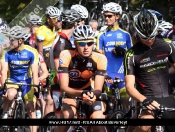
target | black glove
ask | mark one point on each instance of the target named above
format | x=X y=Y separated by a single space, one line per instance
x=120 y=51
x=147 y=102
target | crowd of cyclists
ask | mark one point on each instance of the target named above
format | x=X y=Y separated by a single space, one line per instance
x=66 y=55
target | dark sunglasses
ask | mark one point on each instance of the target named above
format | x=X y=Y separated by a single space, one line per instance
x=85 y=43
x=109 y=16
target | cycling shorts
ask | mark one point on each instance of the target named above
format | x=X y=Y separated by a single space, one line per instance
x=121 y=86
x=27 y=91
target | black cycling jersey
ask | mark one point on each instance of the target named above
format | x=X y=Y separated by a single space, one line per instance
x=171 y=35
x=150 y=67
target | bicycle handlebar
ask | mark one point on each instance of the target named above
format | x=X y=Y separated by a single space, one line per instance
x=161 y=108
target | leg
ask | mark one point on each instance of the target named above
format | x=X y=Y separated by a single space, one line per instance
x=68 y=112
x=49 y=107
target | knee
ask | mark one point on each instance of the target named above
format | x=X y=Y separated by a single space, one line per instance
x=97 y=115
x=68 y=114
x=49 y=100
x=11 y=95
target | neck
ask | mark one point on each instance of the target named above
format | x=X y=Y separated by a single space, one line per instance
x=19 y=48
x=68 y=32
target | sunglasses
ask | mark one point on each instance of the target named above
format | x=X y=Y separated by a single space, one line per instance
x=85 y=43
x=109 y=16
x=147 y=38
x=53 y=18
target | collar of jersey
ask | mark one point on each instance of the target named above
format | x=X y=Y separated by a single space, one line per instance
x=114 y=28
x=21 y=48
x=63 y=35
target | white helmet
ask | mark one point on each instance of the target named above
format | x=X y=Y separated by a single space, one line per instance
x=17 y=32
x=112 y=7
x=53 y=12
x=81 y=10
x=83 y=32
x=164 y=26
x=35 y=20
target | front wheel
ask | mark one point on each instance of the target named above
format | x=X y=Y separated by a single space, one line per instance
x=50 y=115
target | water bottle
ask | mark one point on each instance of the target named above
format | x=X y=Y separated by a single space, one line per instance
x=38 y=114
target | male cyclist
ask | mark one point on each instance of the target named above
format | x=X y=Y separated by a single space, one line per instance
x=17 y=63
x=76 y=67
x=146 y=64
x=114 y=41
x=46 y=33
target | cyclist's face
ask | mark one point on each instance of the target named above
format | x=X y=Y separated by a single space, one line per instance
x=52 y=21
x=14 y=42
x=148 y=42
x=84 y=47
x=110 y=18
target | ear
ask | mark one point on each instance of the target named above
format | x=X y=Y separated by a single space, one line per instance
x=20 y=41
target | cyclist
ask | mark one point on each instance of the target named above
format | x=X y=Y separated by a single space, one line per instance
x=114 y=41
x=146 y=64
x=70 y=18
x=34 y=22
x=17 y=61
x=76 y=67
x=83 y=12
x=46 y=33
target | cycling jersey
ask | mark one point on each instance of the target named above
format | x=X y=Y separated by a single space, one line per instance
x=80 y=69
x=108 y=40
x=150 y=67
x=45 y=34
x=19 y=62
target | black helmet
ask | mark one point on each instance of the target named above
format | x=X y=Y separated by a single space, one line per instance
x=146 y=23
x=70 y=17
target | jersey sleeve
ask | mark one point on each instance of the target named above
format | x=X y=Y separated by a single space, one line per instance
x=40 y=33
x=34 y=59
x=101 y=65
x=64 y=61
x=100 y=42
x=171 y=57
x=4 y=56
x=129 y=63
x=129 y=41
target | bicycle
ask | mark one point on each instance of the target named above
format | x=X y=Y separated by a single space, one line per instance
x=17 y=108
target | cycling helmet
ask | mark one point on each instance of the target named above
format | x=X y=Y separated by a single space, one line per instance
x=35 y=20
x=83 y=32
x=53 y=12
x=17 y=32
x=146 y=23
x=69 y=17
x=158 y=15
x=112 y=7
x=164 y=26
x=4 y=27
x=172 y=11
x=81 y=10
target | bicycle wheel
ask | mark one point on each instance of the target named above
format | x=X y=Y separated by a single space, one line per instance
x=101 y=21
x=20 y=111
x=117 y=115
x=120 y=106
x=50 y=115
x=124 y=21
x=80 y=129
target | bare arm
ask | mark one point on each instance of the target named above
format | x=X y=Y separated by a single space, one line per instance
x=4 y=72
x=56 y=62
x=45 y=72
x=40 y=46
x=131 y=90
x=34 y=68
x=64 y=81
x=98 y=84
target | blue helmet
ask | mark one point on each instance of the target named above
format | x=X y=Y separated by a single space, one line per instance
x=158 y=15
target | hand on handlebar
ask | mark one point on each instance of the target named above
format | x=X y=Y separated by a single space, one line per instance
x=88 y=97
x=151 y=104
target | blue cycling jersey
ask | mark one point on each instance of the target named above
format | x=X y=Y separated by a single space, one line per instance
x=19 y=62
x=107 y=40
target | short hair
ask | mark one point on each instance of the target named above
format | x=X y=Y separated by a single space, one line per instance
x=93 y=21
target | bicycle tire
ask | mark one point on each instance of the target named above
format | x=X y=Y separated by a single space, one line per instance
x=101 y=21
x=50 y=115
x=120 y=106
x=118 y=114
x=80 y=129
x=20 y=111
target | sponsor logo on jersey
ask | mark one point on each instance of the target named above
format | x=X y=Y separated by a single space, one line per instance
x=74 y=73
x=145 y=60
x=19 y=62
x=160 y=55
x=89 y=64
x=155 y=63
x=120 y=43
x=24 y=55
x=119 y=35
x=61 y=61
x=108 y=35
x=110 y=43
